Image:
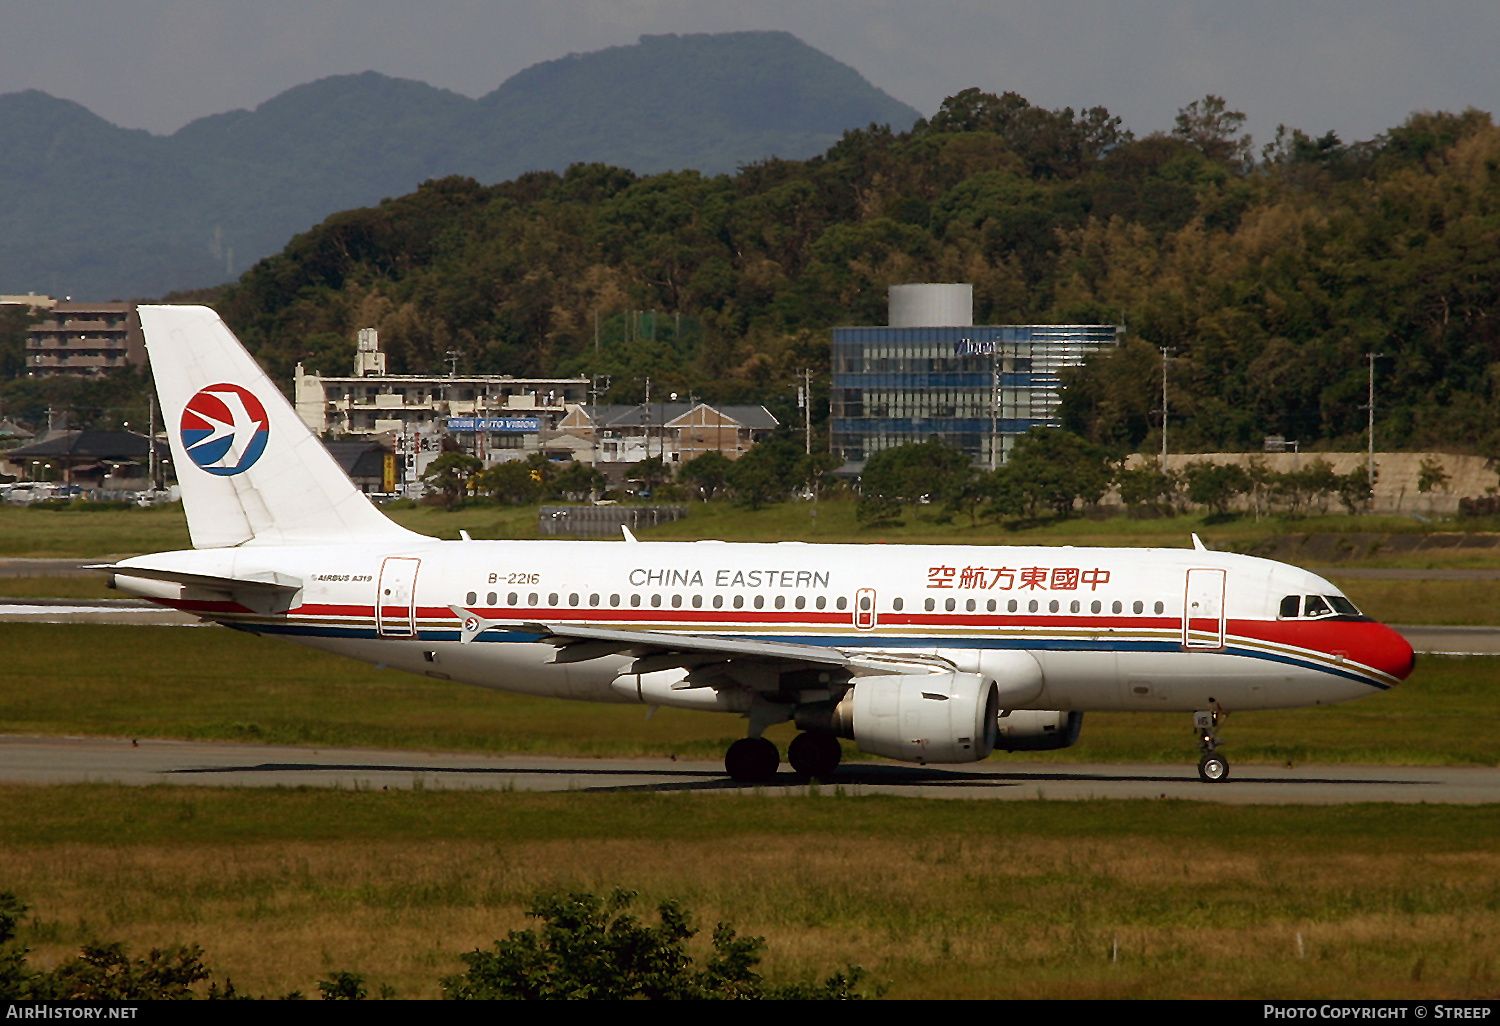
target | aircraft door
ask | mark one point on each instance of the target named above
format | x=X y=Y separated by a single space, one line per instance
x=1203 y=609
x=396 y=597
x=864 y=609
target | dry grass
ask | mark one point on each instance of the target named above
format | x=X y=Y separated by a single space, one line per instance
x=932 y=912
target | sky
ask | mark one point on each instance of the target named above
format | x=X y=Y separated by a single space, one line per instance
x=1356 y=67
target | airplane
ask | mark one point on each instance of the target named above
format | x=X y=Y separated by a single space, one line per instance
x=927 y=654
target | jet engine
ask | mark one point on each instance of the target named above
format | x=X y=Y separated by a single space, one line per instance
x=1029 y=730
x=928 y=717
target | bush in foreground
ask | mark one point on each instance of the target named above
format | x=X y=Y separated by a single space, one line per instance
x=592 y=948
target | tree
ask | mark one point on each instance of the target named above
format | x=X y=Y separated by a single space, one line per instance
x=933 y=472
x=650 y=472
x=767 y=473
x=1056 y=469
x=1210 y=127
x=450 y=474
x=592 y=949
x=511 y=483
x=576 y=482
x=1215 y=485
x=1146 y=488
x=707 y=475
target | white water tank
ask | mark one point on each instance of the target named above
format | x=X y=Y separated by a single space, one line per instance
x=932 y=306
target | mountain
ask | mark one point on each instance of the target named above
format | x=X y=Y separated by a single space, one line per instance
x=95 y=211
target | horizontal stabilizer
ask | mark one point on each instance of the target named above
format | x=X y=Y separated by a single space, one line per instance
x=264 y=592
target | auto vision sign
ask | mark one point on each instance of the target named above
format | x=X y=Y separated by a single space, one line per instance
x=494 y=424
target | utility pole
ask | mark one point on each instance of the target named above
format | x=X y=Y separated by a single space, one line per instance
x=1370 y=429
x=151 y=432
x=804 y=400
x=994 y=408
x=1164 y=360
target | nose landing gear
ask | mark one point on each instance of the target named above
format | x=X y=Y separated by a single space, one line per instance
x=1212 y=768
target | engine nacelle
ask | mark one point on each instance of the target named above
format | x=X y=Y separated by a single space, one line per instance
x=929 y=717
x=1033 y=730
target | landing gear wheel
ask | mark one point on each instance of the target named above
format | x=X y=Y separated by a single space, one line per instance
x=1213 y=769
x=752 y=760
x=815 y=755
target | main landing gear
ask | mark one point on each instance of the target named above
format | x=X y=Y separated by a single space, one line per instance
x=1212 y=768
x=754 y=760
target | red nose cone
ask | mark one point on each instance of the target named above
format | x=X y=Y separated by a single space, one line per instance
x=1385 y=650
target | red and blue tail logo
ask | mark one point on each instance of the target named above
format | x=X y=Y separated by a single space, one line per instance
x=225 y=429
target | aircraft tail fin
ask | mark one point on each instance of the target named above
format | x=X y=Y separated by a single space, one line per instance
x=251 y=472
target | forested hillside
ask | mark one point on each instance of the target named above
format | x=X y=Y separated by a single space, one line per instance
x=1269 y=274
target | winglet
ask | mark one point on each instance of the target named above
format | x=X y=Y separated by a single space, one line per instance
x=1198 y=543
x=628 y=536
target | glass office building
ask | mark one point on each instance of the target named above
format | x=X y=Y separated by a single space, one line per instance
x=978 y=388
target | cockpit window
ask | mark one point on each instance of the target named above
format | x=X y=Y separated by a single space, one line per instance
x=1343 y=605
x=1316 y=605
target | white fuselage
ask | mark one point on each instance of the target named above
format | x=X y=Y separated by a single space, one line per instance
x=1111 y=628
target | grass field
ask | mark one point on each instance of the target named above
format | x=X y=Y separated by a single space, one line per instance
x=934 y=899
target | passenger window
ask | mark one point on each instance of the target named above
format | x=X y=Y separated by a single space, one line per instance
x=635 y=600
x=614 y=600
x=801 y=602
x=1096 y=607
x=490 y=598
x=1032 y=606
x=896 y=605
x=930 y=605
x=780 y=601
x=1052 y=606
x=1010 y=607
x=842 y=603
x=1118 y=607
x=676 y=601
x=1138 y=607
x=1074 y=606
x=822 y=602
x=760 y=602
x=552 y=599
x=1160 y=608
x=573 y=599
x=991 y=605
x=593 y=600
x=533 y=599
x=739 y=602
x=511 y=598
x=697 y=601
x=470 y=599
x=656 y=601
x=718 y=601
x=1289 y=606
x=969 y=605
x=949 y=605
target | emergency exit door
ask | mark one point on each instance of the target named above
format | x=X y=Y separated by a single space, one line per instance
x=396 y=597
x=1203 y=609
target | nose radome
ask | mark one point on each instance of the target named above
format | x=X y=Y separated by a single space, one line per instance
x=1385 y=650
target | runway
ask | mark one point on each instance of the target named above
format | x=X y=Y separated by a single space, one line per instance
x=34 y=760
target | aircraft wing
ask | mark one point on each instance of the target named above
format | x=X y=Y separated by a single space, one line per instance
x=579 y=643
